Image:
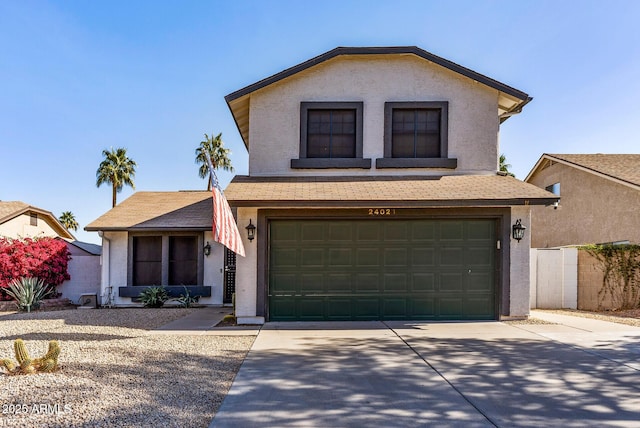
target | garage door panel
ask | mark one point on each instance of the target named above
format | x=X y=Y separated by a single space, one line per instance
x=366 y=308
x=368 y=232
x=479 y=308
x=310 y=309
x=284 y=257
x=480 y=257
x=424 y=231
x=312 y=257
x=395 y=282
x=338 y=309
x=451 y=308
x=312 y=282
x=340 y=257
x=396 y=231
x=284 y=283
x=395 y=256
x=479 y=282
x=340 y=232
x=423 y=282
x=451 y=256
x=312 y=232
x=382 y=269
x=367 y=283
x=423 y=257
x=451 y=230
x=394 y=308
x=423 y=308
x=369 y=257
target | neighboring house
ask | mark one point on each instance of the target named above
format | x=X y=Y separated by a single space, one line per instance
x=162 y=238
x=374 y=186
x=600 y=199
x=21 y=220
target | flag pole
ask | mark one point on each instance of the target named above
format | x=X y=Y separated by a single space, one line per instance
x=212 y=173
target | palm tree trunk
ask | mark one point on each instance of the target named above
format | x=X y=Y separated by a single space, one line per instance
x=113 y=197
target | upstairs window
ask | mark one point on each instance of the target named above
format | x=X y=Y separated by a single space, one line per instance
x=33 y=219
x=331 y=136
x=416 y=135
x=331 y=133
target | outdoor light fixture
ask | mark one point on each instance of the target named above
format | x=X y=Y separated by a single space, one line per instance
x=207 y=249
x=518 y=230
x=251 y=231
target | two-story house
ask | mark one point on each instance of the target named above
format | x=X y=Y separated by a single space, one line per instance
x=374 y=189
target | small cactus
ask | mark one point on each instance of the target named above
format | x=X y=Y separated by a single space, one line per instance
x=47 y=364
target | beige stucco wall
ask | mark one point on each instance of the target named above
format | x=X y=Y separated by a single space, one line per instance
x=114 y=265
x=20 y=227
x=592 y=210
x=275 y=112
x=520 y=265
x=247 y=272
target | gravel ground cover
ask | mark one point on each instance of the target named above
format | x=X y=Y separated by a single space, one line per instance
x=114 y=373
x=628 y=317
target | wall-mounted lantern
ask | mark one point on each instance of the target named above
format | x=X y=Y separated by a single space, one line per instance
x=251 y=231
x=207 y=249
x=518 y=230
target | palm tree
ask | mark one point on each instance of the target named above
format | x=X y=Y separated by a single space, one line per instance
x=116 y=169
x=504 y=166
x=219 y=156
x=68 y=220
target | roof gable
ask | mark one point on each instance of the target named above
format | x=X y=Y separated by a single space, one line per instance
x=511 y=100
x=620 y=168
x=12 y=209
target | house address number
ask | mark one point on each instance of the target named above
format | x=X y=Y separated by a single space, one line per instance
x=381 y=211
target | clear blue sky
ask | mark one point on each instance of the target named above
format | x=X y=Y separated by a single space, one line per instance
x=77 y=77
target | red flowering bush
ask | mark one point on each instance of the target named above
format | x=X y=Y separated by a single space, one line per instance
x=43 y=258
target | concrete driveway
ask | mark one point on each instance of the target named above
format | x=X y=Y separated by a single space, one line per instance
x=577 y=372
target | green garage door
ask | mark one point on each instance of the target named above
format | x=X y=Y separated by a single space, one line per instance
x=381 y=270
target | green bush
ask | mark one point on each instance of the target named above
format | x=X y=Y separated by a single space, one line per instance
x=28 y=292
x=154 y=297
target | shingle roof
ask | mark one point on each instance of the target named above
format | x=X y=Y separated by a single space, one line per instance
x=10 y=209
x=460 y=190
x=623 y=167
x=189 y=210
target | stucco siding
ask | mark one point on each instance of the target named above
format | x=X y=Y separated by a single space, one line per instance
x=247 y=272
x=592 y=209
x=373 y=80
x=520 y=265
x=20 y=227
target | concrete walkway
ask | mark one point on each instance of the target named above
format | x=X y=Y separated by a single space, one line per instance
x=577 y=372
x=203 y=322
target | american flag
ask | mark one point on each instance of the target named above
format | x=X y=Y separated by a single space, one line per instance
x=225 y=230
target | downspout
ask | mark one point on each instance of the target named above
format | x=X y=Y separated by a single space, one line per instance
x=106 y=260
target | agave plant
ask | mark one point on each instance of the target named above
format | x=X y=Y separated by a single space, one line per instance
x=154 y=297
x=28 y=292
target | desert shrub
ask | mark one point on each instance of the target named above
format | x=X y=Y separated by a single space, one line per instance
x=43 y=258
x=154 y=297
x=27 y=292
